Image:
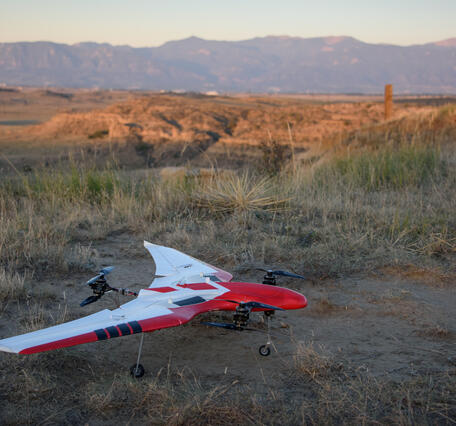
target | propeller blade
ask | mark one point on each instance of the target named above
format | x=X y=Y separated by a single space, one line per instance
x=288 y=274
x=232 y=327
x=107 y=270
x=282 y=273
x=222 y=325
x=103 y=272
x=253 y=305
x=231 y=301
x=94 y=279
x=90 y=299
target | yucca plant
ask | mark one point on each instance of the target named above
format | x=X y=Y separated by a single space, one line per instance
x=240 y=193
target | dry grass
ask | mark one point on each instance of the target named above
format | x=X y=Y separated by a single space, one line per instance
x=324 y=306
x=240 y=194
x=314 y=363
x=338 y=393
x=317 y=391
x=176 y=399
x=428 y=276
x=33 y=316
x=356 y=211
x=361 y=399
x=351 y=213
x=12 y=286
x=436 y=331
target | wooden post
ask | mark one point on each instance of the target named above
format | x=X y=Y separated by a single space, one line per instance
x=388 y=101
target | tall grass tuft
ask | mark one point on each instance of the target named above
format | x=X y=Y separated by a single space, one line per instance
x=12 y=285
x=391 y=168
x=240 y=193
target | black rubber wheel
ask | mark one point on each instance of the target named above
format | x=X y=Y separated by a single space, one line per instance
x=268 y=313
x=137 y=372
x=264 y=350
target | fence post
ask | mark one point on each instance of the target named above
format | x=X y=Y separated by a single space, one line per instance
x=388 y=101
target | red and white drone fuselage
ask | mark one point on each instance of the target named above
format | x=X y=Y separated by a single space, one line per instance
x=183 y=288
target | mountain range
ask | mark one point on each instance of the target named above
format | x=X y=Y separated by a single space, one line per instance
x=268 y=64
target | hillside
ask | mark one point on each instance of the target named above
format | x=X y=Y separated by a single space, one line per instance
x=269 y=64
x=171 y=130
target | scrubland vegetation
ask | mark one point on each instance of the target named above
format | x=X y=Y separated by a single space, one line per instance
x=317 y=390
x=357 y=208
x=381 y=196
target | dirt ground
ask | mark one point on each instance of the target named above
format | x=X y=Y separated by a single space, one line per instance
x=392 y=324
x=385 y=322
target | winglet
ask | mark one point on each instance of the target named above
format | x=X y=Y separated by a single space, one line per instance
x=169 y=261
x=162 y=265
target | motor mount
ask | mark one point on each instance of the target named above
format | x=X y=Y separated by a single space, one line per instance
x=269 y=278
x=100 y=286
x=241 y=316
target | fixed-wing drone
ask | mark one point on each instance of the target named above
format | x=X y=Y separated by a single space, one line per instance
x=183 y=287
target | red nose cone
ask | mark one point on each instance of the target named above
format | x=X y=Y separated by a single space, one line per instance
x=295 y=300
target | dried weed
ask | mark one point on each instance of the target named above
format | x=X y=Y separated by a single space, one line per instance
x=240 y=194
x=12 y=286
x=314 y=363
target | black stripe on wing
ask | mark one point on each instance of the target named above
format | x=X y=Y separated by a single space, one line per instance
x=190 y=301
x=125 y=330
x=113 y=331
x=101 y=334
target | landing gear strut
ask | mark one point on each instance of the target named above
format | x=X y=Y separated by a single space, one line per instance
x=137 y=370
x=241 y=319
x=265 y=350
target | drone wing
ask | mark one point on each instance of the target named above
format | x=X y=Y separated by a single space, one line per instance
x=143 y=314
x=170 y=301
x=172 y=265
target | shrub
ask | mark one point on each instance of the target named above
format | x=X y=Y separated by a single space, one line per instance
x=99 y=134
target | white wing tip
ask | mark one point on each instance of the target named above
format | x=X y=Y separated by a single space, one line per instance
x=7 y=349
x=148 y=244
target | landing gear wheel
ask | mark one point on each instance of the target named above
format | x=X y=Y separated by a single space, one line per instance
x=137 y=371
x=264 y=350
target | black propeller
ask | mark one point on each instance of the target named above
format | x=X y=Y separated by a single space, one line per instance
x=103 y=272
x=231 y=326
x=251 y=305
x=241 y=316
x=90 y=299
x=271 y=273
x=223 y=325
x=99 y=287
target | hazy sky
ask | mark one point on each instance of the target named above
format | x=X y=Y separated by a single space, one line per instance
x=152 y=22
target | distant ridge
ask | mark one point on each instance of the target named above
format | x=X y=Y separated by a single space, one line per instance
x=450 y=42
x=334 y=64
